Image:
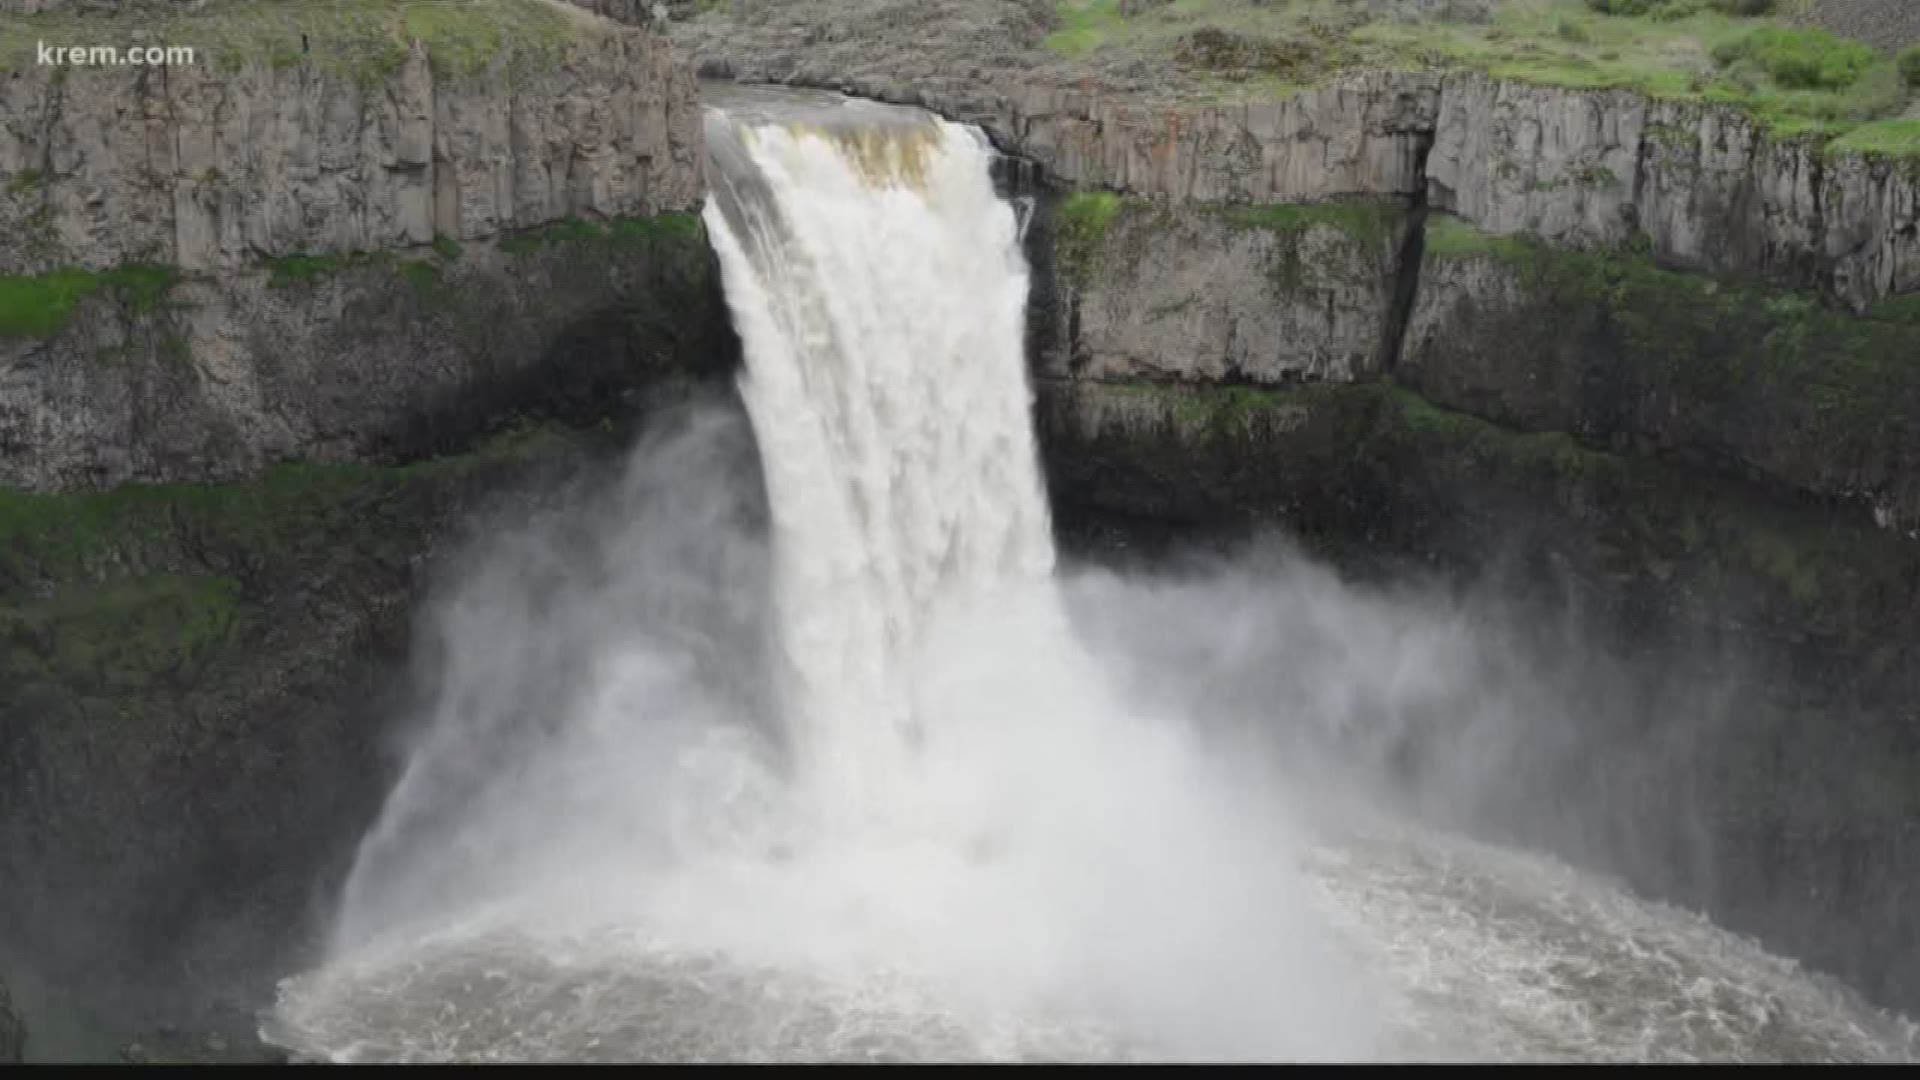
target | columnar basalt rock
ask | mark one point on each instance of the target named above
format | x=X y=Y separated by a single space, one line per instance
x=1196 y=294
x=372 y=357
x=339 y=257
x=1701 y=186
x=207 y=169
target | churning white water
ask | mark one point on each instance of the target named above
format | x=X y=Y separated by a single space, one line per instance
x=857 y=786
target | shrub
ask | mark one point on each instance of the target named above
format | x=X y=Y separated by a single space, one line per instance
x=1801 y=59
x=1910 y=66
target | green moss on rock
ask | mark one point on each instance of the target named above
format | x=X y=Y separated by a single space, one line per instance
x=124 y=633
x=1785 y=370
x=1081 y=225
x=39 y=305
x=96 y=536
x=662 y=228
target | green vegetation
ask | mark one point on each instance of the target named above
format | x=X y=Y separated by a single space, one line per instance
x=96 y=535
x=1800 y=59
x=1656 y=516
x=425 y=275
x=363 y=39
x=1080 y=228
x=1796 y=81
x=39 y=305
x=133 y=588
x=1085 y=25
x=1225 y=408
x=646 y=230
x=25 y=181
x=1371 y=223
x=1888 y=138
x=1909 y=64
x=156 y=625
x=1647 y=518
x=1693 y=318
x=1552 y=453
x=1787 y=383
x=1236 y=413
x=289 y=270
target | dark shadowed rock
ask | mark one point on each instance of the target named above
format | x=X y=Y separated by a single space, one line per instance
x=13 y=1032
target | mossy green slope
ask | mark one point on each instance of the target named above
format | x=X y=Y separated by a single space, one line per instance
x=362 y=39
x=1796 y=80
x=1777 y=385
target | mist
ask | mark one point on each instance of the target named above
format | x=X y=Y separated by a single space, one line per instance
x=1113 y=841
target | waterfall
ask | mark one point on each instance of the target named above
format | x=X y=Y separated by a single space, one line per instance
x=879 y=289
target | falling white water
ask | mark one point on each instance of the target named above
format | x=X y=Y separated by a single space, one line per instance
x=879 y=290
x=855 y=789
x=963 y=768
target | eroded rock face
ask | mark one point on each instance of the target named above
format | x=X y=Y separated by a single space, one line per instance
x=1200 y=294
x=1697 y=186
x=1767 y=385
x=372 y=358
x=205 y=169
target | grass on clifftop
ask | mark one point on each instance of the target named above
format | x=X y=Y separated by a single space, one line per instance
x=1795 y=80
x=364 y=39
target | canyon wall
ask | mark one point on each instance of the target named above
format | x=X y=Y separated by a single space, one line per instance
x=202 y=168
x=276 y=331
x=189 y=253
